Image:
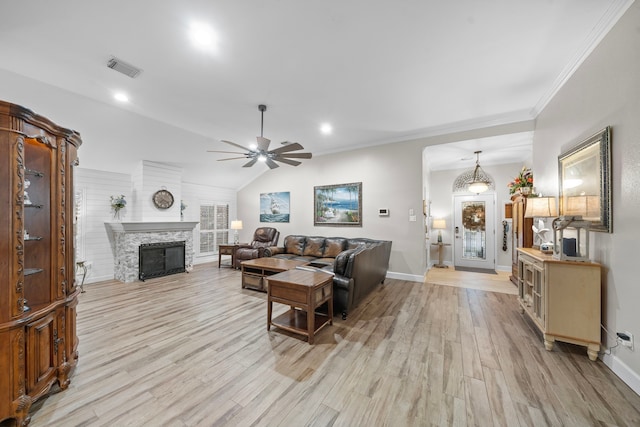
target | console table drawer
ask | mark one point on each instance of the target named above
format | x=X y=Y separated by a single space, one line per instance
x=226 y=250
x=324 y=292
x=298 y=296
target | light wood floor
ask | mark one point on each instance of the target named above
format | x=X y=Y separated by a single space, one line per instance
x=498 y=282
x=193 y=350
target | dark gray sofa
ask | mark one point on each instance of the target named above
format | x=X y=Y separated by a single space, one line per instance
x=358 y=264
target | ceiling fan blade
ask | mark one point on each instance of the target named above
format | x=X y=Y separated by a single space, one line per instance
x=287 y=161
x=272 y=164
x=296 y=155
x=286 y=148
x=232 y=158
x=237 y=145
x=251 y=163
x=263 y=143
x=228 y=152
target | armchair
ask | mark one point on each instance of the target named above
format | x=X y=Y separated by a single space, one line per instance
x=263 y=237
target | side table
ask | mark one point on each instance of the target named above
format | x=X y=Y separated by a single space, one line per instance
x=303 y=291
x=229 y=249
x=440 y=264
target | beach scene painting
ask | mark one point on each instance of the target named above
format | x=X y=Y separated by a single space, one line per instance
x=339 y=204
x=274 y=207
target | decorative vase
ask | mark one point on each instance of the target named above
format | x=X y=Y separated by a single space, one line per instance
x=525 y=190
x=116 y=215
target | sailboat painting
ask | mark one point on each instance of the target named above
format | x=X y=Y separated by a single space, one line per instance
x=274 y=207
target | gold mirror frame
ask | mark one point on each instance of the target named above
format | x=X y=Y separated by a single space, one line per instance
x=584 y=175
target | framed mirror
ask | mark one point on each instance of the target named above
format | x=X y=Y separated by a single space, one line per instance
x=585 y=181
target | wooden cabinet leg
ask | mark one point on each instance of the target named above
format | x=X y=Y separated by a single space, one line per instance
x=548 y=342
x=592 y=351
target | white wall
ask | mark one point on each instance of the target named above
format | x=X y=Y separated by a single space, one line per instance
x=604 y=91
x=95 y=247
x=148 y=178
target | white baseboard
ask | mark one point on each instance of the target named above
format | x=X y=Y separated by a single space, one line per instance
x=404 y=276
x=95 y=279
x=626 y=374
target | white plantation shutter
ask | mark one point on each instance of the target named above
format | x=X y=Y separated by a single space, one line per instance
x=214 y=227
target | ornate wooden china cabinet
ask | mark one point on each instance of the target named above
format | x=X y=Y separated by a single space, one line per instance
x=38 y=294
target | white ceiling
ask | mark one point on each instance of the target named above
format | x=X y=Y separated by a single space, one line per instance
x=377 y=70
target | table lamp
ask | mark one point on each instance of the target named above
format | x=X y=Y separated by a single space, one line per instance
x=541 y=207
x=439 y=224
x=235 y=226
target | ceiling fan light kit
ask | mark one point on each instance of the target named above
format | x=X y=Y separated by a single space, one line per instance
x=263 y=154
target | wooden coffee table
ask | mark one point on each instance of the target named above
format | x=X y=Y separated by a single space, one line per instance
x=303 y=291
x=255 y=270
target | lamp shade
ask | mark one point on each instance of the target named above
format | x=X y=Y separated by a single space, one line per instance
x=439 y=224
x=541 y=207
x=587 y=206
x=236 y=225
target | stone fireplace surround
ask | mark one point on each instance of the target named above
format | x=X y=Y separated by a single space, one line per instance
x=128 y=236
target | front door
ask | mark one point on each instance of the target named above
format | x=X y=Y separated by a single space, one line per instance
x=474 y=242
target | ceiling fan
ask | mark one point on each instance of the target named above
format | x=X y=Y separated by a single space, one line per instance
x=262 y=153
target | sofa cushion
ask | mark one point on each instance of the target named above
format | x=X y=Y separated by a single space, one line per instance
x=333 y=246
x=314 y=246
x=295 y=244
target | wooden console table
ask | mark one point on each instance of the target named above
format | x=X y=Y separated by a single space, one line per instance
x=440 y=264
x=304 y=291
x=563 y=298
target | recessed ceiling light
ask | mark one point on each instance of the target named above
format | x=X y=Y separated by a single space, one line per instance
x=326 y=129
x=121 y=96
x=202 y=36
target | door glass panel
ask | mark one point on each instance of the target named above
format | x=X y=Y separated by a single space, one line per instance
x=473 y=230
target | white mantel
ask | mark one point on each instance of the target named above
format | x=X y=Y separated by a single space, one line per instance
x=151 y=227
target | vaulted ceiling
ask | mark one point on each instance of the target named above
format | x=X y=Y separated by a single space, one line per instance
x=377 y=70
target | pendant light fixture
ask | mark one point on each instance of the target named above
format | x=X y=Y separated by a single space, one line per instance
x=480 y=181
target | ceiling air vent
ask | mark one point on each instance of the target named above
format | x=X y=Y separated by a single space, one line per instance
x=124 y=68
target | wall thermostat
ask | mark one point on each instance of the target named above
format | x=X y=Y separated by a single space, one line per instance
x=383 y=212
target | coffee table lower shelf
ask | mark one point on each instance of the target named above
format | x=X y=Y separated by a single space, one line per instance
x=295 y=320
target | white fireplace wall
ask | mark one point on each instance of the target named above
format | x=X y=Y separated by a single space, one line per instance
x=146 y=179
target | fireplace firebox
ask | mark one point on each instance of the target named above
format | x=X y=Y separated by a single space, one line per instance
x=161 y=259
